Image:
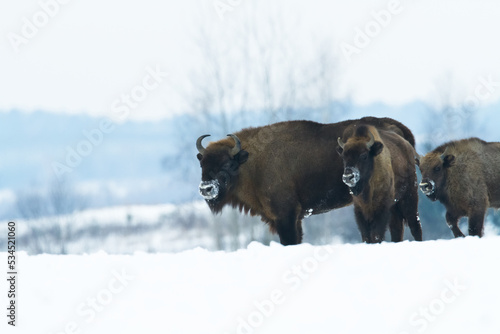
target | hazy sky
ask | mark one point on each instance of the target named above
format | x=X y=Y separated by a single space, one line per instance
x=88 y=56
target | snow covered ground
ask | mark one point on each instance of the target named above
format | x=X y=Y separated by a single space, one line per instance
x=445 y=286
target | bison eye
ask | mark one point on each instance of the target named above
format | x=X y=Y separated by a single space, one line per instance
x=363 y=156
x=437 y=168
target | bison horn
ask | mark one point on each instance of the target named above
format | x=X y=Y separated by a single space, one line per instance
x=341 y=143
x=444 y=153
x=418 y=158
x=372 y=140
x=199 y=146
x=237 y=146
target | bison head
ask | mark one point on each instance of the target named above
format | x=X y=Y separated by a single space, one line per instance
x=358 y=154
x=219 y=170
x=434 y=168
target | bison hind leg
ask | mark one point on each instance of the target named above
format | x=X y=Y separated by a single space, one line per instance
x=363 y=225
x=409 y=210
x=415 y=227
x=476 y=222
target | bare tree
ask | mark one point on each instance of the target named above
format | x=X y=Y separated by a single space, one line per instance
x=31 y=204
x=43 y=209
x=64 y=198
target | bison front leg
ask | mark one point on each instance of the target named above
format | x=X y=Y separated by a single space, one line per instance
x=286 y=208
x=452 y=221
x=289 y=229
x=363 y=225
x=409 y=209
x=379 y=224
x=288 y=233
x=372 y=229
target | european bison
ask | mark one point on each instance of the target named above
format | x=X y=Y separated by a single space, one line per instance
x=464 y=175
x=281 y=172
x=379 y=168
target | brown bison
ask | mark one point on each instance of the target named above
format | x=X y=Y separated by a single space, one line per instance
x=464 y=175
x=379 y=168
x=281 y=172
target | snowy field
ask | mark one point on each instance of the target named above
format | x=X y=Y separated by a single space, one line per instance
x=149 y=228
x=446 y=286
x=164 y=228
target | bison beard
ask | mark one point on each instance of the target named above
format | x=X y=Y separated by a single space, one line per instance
x=281 y=172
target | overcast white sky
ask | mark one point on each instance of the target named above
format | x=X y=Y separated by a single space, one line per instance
x=90 y=52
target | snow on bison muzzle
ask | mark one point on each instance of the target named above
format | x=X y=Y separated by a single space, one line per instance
x=351 y=176
x=209 y=189
x=428 y=188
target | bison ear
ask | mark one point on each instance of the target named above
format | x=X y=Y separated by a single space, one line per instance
x=199 y=156
x=376 y=148
x=241 y=157
x=448 y=160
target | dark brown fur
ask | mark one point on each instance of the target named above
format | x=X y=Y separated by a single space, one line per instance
x=466 y=174
x=386 y=193
x=286 y=170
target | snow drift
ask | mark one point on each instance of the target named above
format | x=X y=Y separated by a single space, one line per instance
x=446 y=286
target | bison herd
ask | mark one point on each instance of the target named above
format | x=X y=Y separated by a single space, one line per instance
x=286 y=171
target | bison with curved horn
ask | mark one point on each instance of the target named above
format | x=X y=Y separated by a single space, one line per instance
x=379 y=169
x=281 y=172
x=463 y=175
